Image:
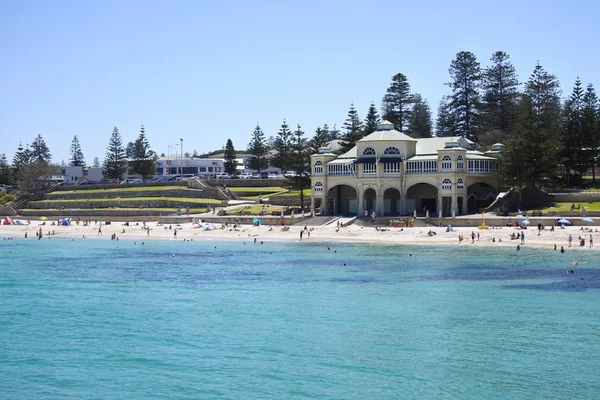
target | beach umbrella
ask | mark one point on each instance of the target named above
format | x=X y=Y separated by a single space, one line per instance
x=43 y=218
x=587 y=219
x=563 y=221
x=525 y=222
x=256 y=221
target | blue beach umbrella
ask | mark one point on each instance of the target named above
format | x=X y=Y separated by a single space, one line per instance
x=256 y=221
x=563 y=221
x=587 y=219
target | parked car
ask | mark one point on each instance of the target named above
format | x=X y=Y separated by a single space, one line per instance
x=223 y=176
x=273 y=175
x=245 y=175
x=255 y=176
x=132 y=181
x=185 y=177
x=290 y=174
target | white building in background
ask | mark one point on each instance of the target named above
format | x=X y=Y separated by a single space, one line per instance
x=390 y=173
x=81 y=174
x=189 y=166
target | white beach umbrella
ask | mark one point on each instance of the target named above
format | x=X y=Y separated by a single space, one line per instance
x=563 y=221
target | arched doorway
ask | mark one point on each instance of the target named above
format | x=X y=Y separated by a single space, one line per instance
x=369 y=200
x=420 y=197
x=479 y=196
x=342 y=200
x=391 y=202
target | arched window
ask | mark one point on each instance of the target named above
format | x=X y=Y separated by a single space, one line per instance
x=460 y=184
x=318 y=187
x=369 y=151
x=446 y=184
x=446 y=163
x=318 y=168
x=460 y=163
x=391 y=150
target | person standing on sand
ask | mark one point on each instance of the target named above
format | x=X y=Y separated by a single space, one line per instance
x=472 y=237
x=175 y=233
x=522 y=237
x=591 y=241
x=100 y=229
x=570 y=239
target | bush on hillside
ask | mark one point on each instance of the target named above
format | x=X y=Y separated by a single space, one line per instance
x=6 y=198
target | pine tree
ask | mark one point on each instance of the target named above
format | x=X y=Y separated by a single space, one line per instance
x=419 y=123
x=299 y=161
x=530 y=154
x=281 y=145
x=575 y=144
x=591 y=125
x=465 y=72
x=352 y=129
x=397 y=102
x=77 y=159
x=40 y=150
x=144 y=158
x=130 y=150
x=544 y=90
x=371 y=120
x=230 y=165
x=258 y=150
x=22 y=157
x=334 y=134
x=114 y=160
x=500 y=94
x=446 y=123
x=5 y=177
x=319 y=139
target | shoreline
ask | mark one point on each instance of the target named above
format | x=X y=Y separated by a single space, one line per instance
x=324 y=234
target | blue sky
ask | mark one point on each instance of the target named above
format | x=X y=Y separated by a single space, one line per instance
x=209 y=71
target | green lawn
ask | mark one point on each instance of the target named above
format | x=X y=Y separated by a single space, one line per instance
x=118 y=190
x=255 y=209
x=294 y=193
x=266 y=189
x=566 y=207
x=182 y=199
x=171 y=210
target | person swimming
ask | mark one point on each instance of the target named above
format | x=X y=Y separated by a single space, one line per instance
x=571 y=271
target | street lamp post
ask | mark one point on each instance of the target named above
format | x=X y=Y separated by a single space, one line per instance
x=176 y=153
x=181 y=163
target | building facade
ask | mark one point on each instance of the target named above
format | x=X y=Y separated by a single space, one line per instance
x=390 y=173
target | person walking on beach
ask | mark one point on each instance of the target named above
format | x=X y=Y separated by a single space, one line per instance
x=591 y=241
x=175 y=233
x=472 y=237
x=570 y=239
x=522 y=237
x=100 y=229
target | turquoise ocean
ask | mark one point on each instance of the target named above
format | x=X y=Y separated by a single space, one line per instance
x=101 y=319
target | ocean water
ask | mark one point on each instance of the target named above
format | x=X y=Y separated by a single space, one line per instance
x=100 y=319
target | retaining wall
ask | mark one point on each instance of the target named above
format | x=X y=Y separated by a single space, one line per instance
x=96 y=203
x=206 y=193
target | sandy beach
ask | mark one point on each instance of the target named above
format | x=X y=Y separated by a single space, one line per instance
x=498 y=236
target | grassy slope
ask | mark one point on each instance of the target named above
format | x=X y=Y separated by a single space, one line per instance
x=98 y=200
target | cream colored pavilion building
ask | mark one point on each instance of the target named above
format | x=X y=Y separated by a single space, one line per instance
x=393 y=174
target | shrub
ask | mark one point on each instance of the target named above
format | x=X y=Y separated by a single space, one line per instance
x=6 y=198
